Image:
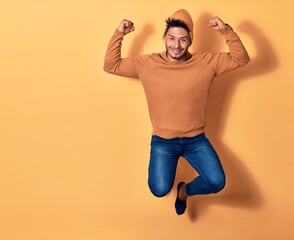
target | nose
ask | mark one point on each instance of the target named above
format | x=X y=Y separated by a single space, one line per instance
x=177 y=44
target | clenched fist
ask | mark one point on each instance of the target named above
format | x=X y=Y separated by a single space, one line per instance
x=217 y=24
x=126 y=26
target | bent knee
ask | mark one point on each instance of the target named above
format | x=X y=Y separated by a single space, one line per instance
x=218 y=184
x=159 y=190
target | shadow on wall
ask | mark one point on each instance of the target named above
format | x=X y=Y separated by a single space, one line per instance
x=241 y=189
x=140 y=39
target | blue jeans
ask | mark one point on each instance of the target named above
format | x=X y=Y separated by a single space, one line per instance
x=200 y=154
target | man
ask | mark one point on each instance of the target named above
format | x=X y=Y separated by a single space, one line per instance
x=176 y=84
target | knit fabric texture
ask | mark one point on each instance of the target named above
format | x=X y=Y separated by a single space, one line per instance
x=176 y=92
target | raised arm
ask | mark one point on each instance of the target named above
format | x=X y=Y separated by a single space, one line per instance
x=113 y=62
x=237 y=55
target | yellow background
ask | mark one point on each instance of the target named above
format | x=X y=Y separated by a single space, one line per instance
x=74 y=140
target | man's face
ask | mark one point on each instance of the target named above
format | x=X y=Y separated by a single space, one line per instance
x=177 y=42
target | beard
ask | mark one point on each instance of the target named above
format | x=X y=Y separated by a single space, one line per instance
x=177 y=54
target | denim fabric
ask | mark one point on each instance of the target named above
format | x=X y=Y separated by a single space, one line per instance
x=200 y=154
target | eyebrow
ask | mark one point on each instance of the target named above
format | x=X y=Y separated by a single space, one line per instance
x=170 y=35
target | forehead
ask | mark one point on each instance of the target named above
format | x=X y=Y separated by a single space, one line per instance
x=177 y=32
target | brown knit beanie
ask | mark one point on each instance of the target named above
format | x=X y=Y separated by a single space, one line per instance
x=185 y=17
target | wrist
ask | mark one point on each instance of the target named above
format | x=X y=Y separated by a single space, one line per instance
x=226 y=28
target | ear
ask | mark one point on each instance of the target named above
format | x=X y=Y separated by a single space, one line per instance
x=190 y=42
x=164 y=38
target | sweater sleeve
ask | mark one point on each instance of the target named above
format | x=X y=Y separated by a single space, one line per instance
x=115 y=64
x=235 y=58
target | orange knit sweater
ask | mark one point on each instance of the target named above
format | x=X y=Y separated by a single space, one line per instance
x=176 y=93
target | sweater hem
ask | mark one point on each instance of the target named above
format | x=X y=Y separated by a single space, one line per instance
x=167 y=134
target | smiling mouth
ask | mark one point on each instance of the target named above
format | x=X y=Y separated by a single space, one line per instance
x=177 y=51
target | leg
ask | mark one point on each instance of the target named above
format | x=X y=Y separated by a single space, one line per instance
x=203 y=158
x=164 y=157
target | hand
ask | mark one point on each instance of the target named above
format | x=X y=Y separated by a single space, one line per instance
x=216 y=24
x=126 y=26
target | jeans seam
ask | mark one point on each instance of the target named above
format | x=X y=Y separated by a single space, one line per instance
x=196 y=168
